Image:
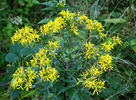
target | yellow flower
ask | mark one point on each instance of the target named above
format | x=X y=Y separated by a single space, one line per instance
x=25 y=35
x=90 y=79
x=19 y=78
x=82 y=18
x=116 y=40
x=67 y=15
x=40 y=59
x=73 y=28
x=23 y=78
x=51 y=26
x=53 y=46
x=48 y=74
x=94 y=71
x=62 y=3
x=91 y=51
x=105 y=62
x=93 y=83
x=107 y=47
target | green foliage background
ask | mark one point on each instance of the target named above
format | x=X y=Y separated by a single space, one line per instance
x=118 y=18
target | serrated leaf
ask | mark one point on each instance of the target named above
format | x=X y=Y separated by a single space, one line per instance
x=11 y=57
x=115 y=20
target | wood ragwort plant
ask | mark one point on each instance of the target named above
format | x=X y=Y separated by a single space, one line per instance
x=69 y=57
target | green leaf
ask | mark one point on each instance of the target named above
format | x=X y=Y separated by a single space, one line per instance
x=115 y=20
x=134 y=48
x=48 y=8
x=11 y=57
x=133 y=42
x=43 y=21
x=65 y=89
x=21 y=2
x=15 y=48
x=35 y=2
x=49 y=3
x=25 y=52
x=75 y=96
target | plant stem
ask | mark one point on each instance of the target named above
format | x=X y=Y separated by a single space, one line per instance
x=65 y=84
x=130 y=11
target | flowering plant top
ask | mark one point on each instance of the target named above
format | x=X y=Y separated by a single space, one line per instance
x=42 y=66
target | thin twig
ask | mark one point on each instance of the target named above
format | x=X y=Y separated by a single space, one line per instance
x=124 y=61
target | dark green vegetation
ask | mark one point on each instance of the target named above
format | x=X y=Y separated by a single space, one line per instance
x=118 y=18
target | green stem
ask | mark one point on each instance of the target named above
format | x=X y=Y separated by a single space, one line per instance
x=130 y=11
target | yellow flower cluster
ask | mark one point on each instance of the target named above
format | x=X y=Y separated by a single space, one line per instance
x=53 y=46
x=25 y=35
x=69 y=18
x=23 y=78
x=110 y=45
x=91 y=51
x=117 y=40
x=51 y=26
x=82 y=18
x=48 y=74
x=105 y=62
x=66 y=20
x=62 y=3
x=107 y=47
x=90 y=79
x=40 y=59
x=92 y=24
x=41 y=67
x=67 y=15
